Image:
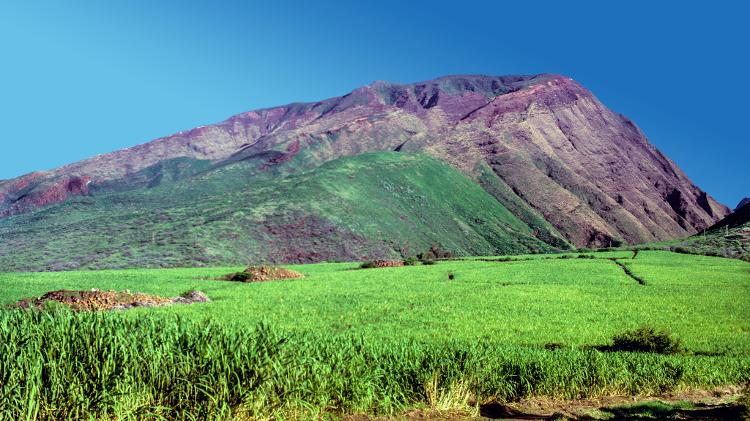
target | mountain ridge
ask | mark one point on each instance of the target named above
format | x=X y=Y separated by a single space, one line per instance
x=558 y=153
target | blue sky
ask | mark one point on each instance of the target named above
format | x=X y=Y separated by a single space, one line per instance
x=81 y=78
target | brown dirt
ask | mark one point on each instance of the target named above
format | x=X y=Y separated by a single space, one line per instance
x=714 y=404
x=262 y=274
x=387 y=263
x=96 y=300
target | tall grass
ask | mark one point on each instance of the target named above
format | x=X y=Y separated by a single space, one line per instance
x=58 y=364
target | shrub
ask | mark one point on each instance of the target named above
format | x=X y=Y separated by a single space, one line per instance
x=435 y=252
x=241 y=277
x=680 y=249
x=411 y=261
x=646 y=339
x=368 y=265
x=428 y=262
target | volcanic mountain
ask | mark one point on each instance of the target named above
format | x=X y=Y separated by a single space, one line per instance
x=477 y=164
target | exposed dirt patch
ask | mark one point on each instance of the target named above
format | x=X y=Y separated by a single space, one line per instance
x=706 y=404
x=297 y=237
x=714 y=404
x=382 y=264
x=262 y=274
x=96 y=300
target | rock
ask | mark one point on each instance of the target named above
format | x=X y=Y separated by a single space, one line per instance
x=191 y=297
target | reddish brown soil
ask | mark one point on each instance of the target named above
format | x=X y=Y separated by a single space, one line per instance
x=714 y=404
x=263 y=274
x=387 y=263
x=96 y=300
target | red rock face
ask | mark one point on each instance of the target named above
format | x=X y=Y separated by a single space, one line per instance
x=48 y=194
x=588 y=171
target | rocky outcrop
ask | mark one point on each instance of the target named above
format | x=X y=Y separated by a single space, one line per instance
x=589 y=171
x=743 y=202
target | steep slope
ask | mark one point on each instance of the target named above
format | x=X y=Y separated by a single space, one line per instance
x=384 y=205
x=542 y=145
x=743 y=202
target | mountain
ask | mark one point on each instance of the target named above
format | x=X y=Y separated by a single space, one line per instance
x=740 y=217
x=547 y=152
x=742 y=203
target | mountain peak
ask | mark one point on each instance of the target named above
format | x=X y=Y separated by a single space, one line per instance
x=743 y=202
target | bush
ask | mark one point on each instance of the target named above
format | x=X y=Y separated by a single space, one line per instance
x=428 y=262
x=435 y=252
x=411 y=261
x=241 y=277
x=682 y=250
x=368 y=265
x=646 y=339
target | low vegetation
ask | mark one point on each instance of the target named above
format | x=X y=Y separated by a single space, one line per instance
x=456 y=335
x=646 y=339
x=168 y=367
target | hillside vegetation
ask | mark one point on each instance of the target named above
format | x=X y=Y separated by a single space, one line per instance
x=380 y=205
x=730 y=237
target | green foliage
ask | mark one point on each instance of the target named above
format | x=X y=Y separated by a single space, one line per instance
x=103 y=365
x=435 y=253
x=368 y=265
x=411 y=261
x=241 y=277
x=371 y=206
x=646 y=339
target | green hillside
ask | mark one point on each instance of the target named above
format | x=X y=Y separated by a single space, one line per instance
x=730 y=237
x=367 y=206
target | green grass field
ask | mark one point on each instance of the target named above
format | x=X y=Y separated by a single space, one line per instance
x=343 y=340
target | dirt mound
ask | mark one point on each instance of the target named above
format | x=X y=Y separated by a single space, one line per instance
x=262 y=274
x=382 y=264
x=96 y=300
x=191 y=297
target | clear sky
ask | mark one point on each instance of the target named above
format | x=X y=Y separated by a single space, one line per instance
x=80 y=78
